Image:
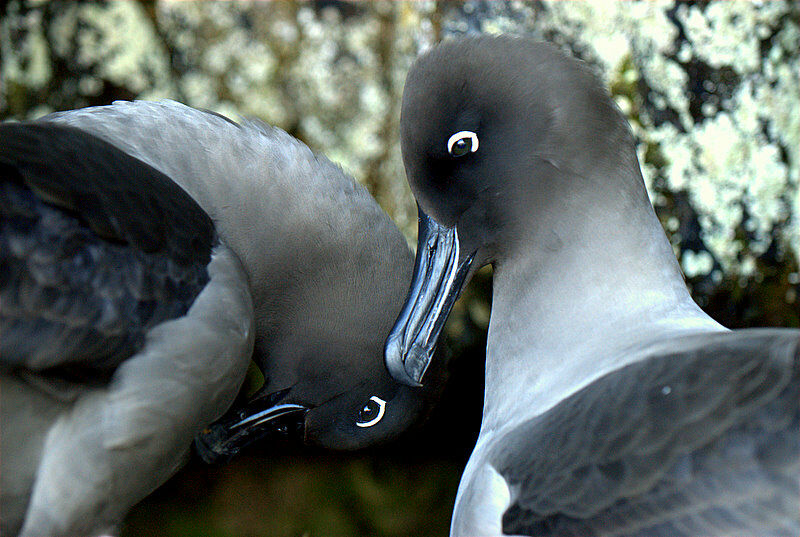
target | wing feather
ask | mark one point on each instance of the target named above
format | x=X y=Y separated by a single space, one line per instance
x=698 y=443
x=96 y=247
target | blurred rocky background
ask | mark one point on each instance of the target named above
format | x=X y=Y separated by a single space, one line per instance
x=710 y=88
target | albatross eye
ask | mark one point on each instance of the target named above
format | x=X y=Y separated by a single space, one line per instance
x=372 y=412
x=461 y=143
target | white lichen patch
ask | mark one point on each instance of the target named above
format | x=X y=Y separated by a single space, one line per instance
x=696 y=263
x=24 y=61
x=198 y=89
x=123 y=45
x=722 y=34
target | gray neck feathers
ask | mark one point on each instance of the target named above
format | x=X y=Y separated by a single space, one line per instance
x=588 y=286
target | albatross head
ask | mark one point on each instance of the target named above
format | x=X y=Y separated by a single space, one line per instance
x=501 y=136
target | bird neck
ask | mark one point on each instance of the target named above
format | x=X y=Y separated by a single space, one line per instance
x=591 y=285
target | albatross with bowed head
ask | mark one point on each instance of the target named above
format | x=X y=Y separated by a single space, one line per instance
x=147 y=251
x=613 y=404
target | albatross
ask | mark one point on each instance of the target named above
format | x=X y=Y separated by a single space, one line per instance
x=613 y=404
x=148 y=250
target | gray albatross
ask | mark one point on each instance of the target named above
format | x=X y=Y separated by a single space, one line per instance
x=613 y=404
x=147 y=252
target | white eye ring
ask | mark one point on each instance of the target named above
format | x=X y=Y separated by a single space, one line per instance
x=460 y=135
x=376 y=419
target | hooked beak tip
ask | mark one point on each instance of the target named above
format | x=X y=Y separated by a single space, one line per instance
x=417 y=362
x=207 y=445
x=397 y=367
x=222 y=440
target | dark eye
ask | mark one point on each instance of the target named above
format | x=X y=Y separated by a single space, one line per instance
x=369 y=412
x=372 y=412
x=461 y=143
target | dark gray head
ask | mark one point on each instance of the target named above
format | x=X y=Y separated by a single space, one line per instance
x=327 y=352
x=492 y=127
x=327 y=289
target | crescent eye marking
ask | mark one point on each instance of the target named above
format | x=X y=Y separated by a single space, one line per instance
x=461 y=143
x=372 y=412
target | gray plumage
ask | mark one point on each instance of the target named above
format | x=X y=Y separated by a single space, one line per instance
x=78 y=455
x=699 y=441
x=306 y=275
x=613 y=404
x=96 y=248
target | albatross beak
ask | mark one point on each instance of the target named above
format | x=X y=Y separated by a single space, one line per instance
x=439 y=274
x=261 y=417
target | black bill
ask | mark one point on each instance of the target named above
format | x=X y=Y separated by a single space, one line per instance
x=262 y=417
x=439 y=274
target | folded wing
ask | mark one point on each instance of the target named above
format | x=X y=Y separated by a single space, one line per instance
x=704 y=442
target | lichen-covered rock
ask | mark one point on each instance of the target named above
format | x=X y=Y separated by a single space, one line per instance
x=710 y=89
